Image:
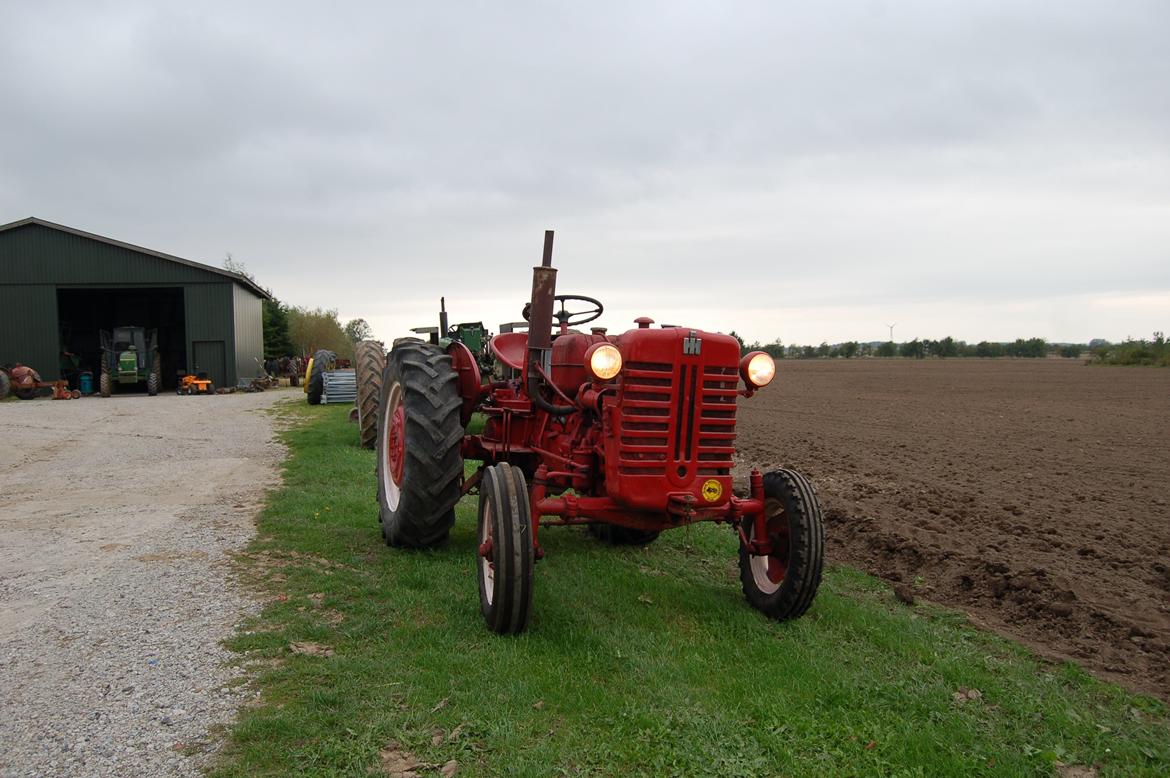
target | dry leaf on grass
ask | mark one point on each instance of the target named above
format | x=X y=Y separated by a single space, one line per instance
x=645 y=598
x=317 y=598
x=450 y=768
x=437 y=737
x=538 y=705
x=440 y=705
x=1075 y=770
x=311 y=649
x=400 y=764
x=455 y=733
x=965 y=695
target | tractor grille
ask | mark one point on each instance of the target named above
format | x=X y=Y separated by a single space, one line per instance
x=674 y=414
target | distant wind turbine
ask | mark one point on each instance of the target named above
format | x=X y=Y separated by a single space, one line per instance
x=891 y=326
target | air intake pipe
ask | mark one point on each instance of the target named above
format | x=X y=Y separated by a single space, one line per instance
x=540 y=317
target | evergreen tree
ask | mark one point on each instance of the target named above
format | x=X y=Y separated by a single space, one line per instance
x=277 y=342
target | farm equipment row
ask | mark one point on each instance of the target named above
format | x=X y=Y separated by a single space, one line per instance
x=25 y=383
x=630 y=435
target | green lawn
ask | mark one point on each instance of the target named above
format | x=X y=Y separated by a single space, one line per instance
x=637 y=662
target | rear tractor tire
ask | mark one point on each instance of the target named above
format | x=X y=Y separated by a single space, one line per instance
x=5 y=384
x=506 y=556
x=370 y=358
x=105 y=386
x=783 y=584
x=152 y=380
x=419 y=461
x=621 y=536
x=315 y=384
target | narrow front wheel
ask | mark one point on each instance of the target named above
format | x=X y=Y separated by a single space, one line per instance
x=783 y=582
x=506 y=554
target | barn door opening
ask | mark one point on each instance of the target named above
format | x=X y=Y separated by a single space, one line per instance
x=83 y=312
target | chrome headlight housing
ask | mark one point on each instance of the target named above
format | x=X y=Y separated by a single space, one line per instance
x=758 y=369
x=603 y=361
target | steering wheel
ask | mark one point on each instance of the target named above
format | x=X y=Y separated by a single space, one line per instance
x=567 y=318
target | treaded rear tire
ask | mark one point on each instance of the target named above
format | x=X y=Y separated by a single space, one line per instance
x=370 y=360
x=419 y=511
x=5 y=384
x=316 y=385
x=791 y=491
x=621 y=536
x=505 y=581
x=152 y=380
x=104 y=384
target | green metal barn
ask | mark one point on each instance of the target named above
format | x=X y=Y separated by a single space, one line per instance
x=60 y=286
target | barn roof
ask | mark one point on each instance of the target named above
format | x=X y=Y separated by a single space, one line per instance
x=239 y=278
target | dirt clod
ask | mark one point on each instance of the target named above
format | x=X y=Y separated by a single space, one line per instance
x=904 y=594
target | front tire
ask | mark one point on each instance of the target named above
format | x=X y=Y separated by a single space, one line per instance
x=419 y=460
x=506 y=555
x=104 y=384
x=783 y=584
x=371 y=362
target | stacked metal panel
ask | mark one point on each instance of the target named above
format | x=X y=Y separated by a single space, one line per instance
x=339 y=386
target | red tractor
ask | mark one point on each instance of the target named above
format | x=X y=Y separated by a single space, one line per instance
x=630 y=434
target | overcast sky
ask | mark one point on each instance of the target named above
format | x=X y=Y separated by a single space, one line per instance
x=807 y=171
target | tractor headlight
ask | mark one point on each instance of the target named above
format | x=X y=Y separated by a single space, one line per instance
x=758 y=369
x=603 y=360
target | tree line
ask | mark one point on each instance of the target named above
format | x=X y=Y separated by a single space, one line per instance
x=1033 y=348
x=1155 y=351
x=294 y=330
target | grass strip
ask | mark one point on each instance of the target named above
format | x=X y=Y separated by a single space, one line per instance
x=638 y=661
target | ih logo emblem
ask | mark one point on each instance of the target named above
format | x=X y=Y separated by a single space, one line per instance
x=692 y=346
x=712 y=490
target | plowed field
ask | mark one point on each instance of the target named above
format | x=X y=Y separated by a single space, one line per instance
x=1033 y=494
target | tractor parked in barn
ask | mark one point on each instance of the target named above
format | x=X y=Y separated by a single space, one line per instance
x=630 y=434
x=129 y=357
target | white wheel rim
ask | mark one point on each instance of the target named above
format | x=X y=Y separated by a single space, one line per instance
x=390 y=489
x=759 y=564
x=485 y=568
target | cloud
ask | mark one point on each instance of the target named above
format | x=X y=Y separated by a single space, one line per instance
x=837 y=160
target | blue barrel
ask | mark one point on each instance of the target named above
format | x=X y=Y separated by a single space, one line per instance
x=85 y=382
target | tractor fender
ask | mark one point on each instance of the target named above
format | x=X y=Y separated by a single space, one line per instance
x=469 y=384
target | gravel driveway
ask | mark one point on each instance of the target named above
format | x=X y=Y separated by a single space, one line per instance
x=117 y=518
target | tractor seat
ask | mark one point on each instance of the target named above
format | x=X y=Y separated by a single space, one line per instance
x=510 y=348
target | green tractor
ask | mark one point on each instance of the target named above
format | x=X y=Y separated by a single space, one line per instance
x=130 y=357
x=470 y=333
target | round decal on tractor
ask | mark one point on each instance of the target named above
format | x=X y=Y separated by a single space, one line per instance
x=712 y=490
